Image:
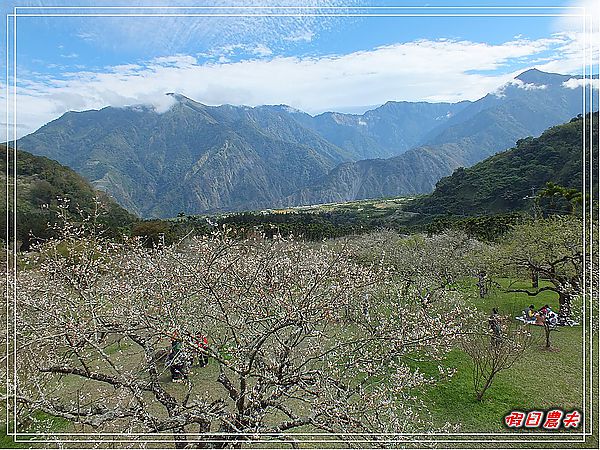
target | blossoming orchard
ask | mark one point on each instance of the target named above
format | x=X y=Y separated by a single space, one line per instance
x=220 y=340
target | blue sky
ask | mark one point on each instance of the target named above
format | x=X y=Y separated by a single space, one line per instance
x=314 y=63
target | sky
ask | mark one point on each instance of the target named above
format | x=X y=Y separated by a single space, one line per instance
x=330 y=55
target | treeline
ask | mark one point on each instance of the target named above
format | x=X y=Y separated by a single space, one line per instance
x=312 y=226
x=317 y=226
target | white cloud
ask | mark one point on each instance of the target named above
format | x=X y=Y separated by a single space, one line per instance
x=571 y=52
x=301 y=36
x=223 y=53
x=575 y=83
x=501 y=91
x=171 y=34
x=261 y=50
x=429 y=70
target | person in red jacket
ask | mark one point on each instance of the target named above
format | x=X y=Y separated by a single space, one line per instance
x=202 y=349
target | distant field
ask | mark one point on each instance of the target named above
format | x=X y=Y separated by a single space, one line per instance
x=379 y=207
x=368 y=205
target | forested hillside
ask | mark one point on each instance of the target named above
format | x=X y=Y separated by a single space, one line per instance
x=41 y=183
x=511 y=180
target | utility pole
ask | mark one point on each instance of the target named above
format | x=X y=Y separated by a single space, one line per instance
x=533 y=197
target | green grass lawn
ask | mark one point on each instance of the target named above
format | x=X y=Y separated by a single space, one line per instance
x=542 y=379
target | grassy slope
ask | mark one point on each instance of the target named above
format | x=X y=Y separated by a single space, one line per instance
x=541 y=380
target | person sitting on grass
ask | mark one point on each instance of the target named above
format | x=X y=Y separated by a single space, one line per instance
x=529 y=314
x=540 y=317
x=551 y=316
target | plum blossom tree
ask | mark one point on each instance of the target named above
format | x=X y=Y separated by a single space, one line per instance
x=553 y=249
x=426 y=267
x=290 y=346
x=493 y=348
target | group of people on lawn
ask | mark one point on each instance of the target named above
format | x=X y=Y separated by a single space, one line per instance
x=541 y=317
x=180 y=360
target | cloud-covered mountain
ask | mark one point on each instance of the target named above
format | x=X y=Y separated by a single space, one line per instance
x=196 y=158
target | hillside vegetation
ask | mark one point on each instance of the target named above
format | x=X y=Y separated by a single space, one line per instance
x=504 y=182
x=41 y=183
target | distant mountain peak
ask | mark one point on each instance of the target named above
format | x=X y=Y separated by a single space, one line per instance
x=199 y=158
x=188 y=103
x=177 y=96
x=538 y=77
x=182 y=98
x=529 y=72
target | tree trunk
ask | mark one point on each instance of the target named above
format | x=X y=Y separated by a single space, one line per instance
x=180 y=438
x=547 y=330
x=485 y=387
x=564 y=311
x=535 y=278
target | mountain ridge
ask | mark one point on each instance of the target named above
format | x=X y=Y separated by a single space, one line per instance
x=491 y=124
x=40 y=183
x=503 y=182
x=196 y=158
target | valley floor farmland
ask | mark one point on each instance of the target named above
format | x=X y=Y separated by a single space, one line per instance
x=332 y=337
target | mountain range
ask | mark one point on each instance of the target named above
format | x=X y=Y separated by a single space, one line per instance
x=196 y=158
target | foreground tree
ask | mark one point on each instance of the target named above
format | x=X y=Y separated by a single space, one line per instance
x=290 y=345
x=494 y=347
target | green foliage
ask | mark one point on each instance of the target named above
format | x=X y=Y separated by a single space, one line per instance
x=557 y=198
x=554 y=244
x=546 y=248
x=484 y=228
x=312 y=223
x=504 y=182
x=41 y=185
x=153 y=232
